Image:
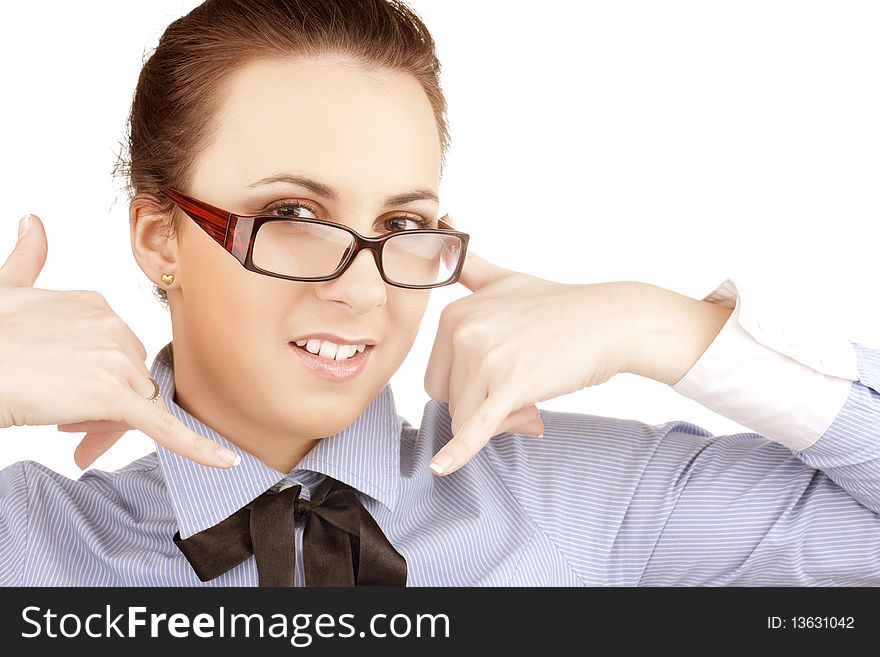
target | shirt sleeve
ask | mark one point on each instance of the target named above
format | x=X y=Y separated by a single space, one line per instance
x=748 y=511
x=787 y=384
x=13 y=524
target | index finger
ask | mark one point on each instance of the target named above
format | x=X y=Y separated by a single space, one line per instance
x=171 y=433
x=472 y=437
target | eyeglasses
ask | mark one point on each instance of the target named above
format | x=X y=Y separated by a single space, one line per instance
x=316 y=250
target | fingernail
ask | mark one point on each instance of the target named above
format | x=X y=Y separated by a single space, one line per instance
x=24 y=225
x=228 y=457
x=441 y=463
x=540 y=435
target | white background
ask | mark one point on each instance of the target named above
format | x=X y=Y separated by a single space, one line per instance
x=676 y=143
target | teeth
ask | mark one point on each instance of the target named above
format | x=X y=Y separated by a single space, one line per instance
x=330 y=350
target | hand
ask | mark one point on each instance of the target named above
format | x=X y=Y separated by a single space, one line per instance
x=66 y=358
x=518 y=340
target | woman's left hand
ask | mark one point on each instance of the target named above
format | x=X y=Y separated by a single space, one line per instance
x=520 y=339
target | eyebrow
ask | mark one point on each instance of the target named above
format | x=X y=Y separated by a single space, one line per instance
x=325 y=191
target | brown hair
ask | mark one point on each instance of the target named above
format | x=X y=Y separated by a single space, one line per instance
x=181 y=81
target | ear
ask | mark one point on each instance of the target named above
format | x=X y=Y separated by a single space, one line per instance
x=153 y=245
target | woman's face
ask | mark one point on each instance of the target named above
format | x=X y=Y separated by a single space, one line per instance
x=367 y=135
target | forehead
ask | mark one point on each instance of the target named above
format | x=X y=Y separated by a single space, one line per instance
x=329 y=118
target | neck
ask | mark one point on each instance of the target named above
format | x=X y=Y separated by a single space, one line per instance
x=279 y=453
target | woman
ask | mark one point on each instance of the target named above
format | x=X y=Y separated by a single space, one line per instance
x=270 y=141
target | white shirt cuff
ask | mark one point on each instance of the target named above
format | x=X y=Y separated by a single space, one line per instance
x=785 y=384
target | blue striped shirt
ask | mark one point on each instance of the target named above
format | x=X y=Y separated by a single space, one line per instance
x=598 y=501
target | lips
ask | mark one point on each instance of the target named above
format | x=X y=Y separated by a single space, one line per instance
x=334 y=370
x=336 y=339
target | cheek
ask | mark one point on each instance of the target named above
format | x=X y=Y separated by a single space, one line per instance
x=231 y=309
x=406 y=309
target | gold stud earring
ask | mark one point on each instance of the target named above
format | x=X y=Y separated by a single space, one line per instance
x=168 y=279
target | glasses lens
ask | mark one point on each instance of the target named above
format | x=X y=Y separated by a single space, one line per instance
x=421 y=258
x=298 y=248
x=307 y=250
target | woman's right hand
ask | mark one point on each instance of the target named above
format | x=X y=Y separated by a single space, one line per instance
x=67 y=358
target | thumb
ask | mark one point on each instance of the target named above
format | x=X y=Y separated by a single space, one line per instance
x=477 y=272
x=24 y=264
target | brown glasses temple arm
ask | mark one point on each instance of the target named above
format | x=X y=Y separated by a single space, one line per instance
x=212 y=220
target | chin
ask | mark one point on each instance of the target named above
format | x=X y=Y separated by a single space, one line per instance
x=320 y=414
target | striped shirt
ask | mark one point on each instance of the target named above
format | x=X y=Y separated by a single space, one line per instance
x=597 y=501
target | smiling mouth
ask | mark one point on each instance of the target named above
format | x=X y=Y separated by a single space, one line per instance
x=330 y=368
x=330 y=352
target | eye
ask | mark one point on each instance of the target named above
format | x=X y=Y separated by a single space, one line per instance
x=295 y=208
x=418 y=222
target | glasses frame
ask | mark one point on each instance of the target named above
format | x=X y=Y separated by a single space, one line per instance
x=236 y=234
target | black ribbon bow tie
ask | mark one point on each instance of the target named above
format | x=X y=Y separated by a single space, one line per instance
x=342 y=544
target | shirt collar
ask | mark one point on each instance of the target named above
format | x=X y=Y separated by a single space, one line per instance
x=365 y=455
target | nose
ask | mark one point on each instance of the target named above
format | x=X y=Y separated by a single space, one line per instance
x=360 y=285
